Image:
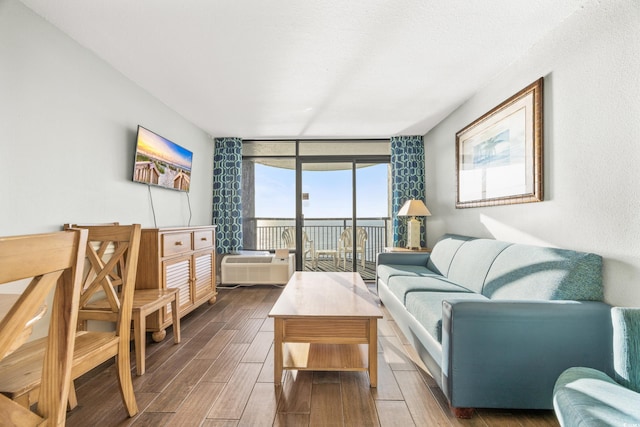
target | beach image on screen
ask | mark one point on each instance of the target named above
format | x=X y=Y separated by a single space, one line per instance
x=162 y=162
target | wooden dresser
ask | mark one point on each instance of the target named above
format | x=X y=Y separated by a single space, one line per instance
x=178 y=257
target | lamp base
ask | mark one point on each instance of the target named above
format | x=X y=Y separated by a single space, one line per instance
x=413 y=233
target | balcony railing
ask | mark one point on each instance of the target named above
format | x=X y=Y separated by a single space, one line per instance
x=265 y=234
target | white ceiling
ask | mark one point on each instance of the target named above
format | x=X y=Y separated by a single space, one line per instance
x=309 y=68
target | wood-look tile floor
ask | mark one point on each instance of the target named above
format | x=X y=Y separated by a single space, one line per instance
x=221 y=374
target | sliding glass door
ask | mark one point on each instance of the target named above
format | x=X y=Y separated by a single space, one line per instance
x=327 y=211
x=327 y=201
x=344 y=211
x=373 y=208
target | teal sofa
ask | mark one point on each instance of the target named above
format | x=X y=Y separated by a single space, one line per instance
x=586 y=397
x=496 y=323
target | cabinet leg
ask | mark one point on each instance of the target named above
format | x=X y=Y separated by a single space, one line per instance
x=158 y=336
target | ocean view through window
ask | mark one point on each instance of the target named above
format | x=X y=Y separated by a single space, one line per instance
x=333 y=193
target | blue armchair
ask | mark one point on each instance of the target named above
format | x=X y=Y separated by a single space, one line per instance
x=585 y=397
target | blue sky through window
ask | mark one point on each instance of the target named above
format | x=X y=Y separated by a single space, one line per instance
x=329 y=192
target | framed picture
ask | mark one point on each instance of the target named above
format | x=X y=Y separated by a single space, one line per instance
x=499 y=155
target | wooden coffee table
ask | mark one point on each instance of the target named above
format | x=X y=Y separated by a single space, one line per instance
x=326 y=322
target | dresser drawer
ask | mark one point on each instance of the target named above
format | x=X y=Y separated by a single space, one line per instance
x=175 y=243
x=202 y=239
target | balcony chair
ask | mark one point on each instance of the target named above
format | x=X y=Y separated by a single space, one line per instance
x=345 y=245
x=289 y=240
x=110 y=269
x=51 y=261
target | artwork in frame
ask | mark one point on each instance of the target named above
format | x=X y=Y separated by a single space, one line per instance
x=499 y=155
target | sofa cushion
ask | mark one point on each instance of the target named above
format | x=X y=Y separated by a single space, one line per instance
x=385 y=271
x=472 y=261
x=444 y=251
x=586 y=397
x=426 y=307
x=401 y=285
x=539 y=273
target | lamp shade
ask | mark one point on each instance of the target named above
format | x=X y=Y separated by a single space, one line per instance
x=414 y=207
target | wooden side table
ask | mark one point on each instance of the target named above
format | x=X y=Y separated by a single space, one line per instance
x=399 y=249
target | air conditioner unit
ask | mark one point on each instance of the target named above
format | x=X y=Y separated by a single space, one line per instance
x=256 y=269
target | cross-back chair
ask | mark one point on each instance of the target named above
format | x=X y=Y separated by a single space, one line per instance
x=51 y=261
x=145 y=302
x=109 y=272
x=345 y=245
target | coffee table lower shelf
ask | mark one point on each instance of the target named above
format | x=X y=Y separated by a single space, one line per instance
x=325 y=322
x=325 y=357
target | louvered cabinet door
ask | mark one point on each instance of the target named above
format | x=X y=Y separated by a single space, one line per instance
x=203 y=265
x=177 y=274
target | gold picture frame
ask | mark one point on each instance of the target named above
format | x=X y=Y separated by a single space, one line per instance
x=499 y=155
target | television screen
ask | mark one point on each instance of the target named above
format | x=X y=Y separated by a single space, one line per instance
x=161 y=162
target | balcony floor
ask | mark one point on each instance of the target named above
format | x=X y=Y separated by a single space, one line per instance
x=326 y=264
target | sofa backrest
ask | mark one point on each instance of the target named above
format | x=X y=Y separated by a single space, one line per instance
x=472 y=262
x=503 y=270
x=541 y=273
x=444 y=251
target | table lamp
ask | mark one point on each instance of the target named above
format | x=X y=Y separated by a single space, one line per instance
x=413 y=208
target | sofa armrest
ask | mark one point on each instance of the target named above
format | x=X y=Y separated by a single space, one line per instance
x=513 y=351
x=403 y=258
x=626 y=346
x=586 y=397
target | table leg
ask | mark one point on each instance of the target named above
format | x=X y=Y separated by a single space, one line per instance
x=277 y=351
x=373 y=352
x=175 y=316
x=73 y=398
x=139 y=330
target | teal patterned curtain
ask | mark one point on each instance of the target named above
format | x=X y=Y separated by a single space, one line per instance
x=407 y=182
x=227 y=189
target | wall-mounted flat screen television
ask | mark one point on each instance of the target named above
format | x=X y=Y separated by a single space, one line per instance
x=161 y=162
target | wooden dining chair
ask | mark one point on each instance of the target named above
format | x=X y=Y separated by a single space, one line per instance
x=50 y=261
x=145 y=302
x=109 y=273
x=109 y=277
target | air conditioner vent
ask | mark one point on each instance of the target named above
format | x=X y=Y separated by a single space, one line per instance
x=256 y=270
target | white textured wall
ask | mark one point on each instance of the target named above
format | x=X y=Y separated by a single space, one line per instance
x=67 y=137
x=591 y=69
